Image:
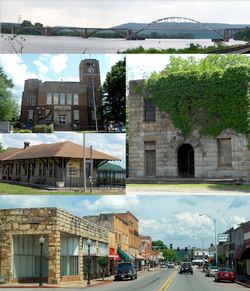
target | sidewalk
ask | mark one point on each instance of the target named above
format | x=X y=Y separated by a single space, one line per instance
x=244 y=281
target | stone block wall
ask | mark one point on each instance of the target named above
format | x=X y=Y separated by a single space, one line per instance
x=51 y=223
x=168 y=140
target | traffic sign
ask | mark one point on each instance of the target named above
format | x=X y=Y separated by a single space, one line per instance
x=209 y=259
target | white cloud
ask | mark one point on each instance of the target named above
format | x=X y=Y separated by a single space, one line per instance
x=42 y=69
x=109 y=203
x=58 y=63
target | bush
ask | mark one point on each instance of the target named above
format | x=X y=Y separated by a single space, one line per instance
x=43 y=129
x=24 y=131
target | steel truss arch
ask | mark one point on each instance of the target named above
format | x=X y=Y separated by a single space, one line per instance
x=178 y=18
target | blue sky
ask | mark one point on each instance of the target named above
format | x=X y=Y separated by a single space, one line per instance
x=50 y=67
x=173 y=219
x=112 y=144
x=106 y=13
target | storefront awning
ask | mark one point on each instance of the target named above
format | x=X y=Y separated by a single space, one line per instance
x=113 y=256
x=139 y=257
x=129 y=255
x=122 y=255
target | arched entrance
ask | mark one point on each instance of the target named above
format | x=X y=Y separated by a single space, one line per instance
x=186 y=161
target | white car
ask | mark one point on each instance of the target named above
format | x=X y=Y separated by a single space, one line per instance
x=170 y=265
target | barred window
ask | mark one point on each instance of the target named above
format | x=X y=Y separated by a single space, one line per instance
x=149 y=111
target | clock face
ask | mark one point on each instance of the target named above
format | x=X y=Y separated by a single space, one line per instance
x=91 y=70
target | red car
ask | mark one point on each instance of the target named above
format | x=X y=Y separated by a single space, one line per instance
x=225 y=274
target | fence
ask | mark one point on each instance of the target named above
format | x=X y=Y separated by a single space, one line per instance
x=73 y=179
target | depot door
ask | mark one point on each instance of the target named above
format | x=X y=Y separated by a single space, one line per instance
x=186 y=161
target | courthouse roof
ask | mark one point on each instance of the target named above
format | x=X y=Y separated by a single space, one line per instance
x=65 y=149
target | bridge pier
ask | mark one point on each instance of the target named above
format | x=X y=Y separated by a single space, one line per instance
x=226 y=35
x=85 y=34
x=128 y=34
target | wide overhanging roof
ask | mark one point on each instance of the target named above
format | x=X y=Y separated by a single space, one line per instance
x=54 y=150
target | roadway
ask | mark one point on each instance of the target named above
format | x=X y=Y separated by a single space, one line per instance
x=163 y=280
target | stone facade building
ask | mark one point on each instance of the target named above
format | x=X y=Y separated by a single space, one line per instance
x=58 y=162
x=70 y=103
x=64 y=250
x=158 y=149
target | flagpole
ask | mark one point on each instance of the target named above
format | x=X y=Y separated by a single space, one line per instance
x=84 y=165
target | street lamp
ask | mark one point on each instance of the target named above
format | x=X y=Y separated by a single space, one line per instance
x=214 y=220
x=88 y=244
x=203 y=251
x=41 y=241
x=135 y=260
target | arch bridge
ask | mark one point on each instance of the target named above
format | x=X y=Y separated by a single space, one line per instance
x=168 y=23
x=186 y=23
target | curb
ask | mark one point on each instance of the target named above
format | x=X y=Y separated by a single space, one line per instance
x=99 y=283
x=243 y=284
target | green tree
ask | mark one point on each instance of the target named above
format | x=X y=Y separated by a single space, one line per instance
x=2 y=150
x=222 y=258
x=112 y=94
x=9 y=106
x=26 y=23
x=158 y=243
x=103 y=262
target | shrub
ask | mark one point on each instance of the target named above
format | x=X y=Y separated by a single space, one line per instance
x=43 y=129
x=24 y=131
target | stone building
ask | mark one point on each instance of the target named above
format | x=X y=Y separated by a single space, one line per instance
x=158 y=149
x=58 y=162
x=70 y=103
x=65 y=249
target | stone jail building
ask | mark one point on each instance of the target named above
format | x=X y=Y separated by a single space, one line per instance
x=64 y=251
x=71 y=103
x=158 y=149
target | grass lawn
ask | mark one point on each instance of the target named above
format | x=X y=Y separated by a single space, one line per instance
x=192 y=186
x=20 y=190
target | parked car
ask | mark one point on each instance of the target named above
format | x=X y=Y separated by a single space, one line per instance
x=211 y=271
x=170 y=265
x=186 y=267
x=176 y=264
x=225 y=274
x=125 y=270
x=164 y=265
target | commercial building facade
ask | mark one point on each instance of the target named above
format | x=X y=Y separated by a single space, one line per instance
x=65 y=248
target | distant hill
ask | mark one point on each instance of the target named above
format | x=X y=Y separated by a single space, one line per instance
x=109 y=166
x=199 y=34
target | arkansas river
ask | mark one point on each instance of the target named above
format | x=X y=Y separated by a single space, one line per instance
x=37 y=44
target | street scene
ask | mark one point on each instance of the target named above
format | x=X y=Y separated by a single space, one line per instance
x=76 y=241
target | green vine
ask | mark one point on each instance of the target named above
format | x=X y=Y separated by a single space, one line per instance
x=209 y=101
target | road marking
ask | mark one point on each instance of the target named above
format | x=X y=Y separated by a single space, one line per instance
x=169 y=280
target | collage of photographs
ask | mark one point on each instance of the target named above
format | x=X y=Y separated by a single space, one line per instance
x=125 y=145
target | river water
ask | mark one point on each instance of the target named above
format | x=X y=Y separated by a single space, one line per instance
x=75 y=45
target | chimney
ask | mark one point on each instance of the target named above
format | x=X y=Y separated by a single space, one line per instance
x=26 y=144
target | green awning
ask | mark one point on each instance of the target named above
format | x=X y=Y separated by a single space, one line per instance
x=122 y=255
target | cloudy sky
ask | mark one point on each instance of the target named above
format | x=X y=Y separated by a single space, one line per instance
x=105 y=13
x=112 y=144
x=172 y=219
x=50 y=67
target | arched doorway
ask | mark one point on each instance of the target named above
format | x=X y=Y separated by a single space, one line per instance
x=186 y=161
